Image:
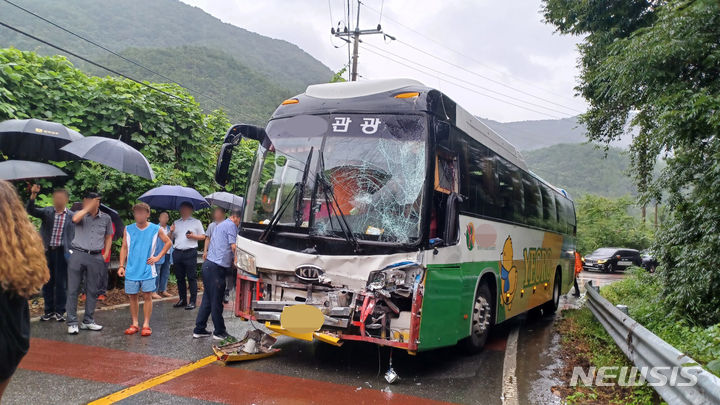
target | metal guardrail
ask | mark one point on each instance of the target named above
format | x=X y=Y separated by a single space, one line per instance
x=645 y=349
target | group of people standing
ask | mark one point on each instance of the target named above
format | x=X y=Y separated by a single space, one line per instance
x=77 y=247
x=73 y=246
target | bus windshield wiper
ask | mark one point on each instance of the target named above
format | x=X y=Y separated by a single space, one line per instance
x=333 y=207
x=297 y=191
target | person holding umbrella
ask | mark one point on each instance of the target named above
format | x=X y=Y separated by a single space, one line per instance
x=93 y=234
x=56 y=230
x=186 y=231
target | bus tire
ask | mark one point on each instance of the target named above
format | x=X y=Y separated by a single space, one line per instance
x=480 y=322
x=551 y=306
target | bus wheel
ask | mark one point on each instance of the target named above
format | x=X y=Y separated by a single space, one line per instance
x=481 y=321
x=551 y=306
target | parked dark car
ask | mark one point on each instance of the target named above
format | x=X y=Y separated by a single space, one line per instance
x=649 y=262
x=611 y=259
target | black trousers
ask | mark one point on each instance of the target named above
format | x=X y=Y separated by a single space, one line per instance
x=212 y=301
x=55 y=290
x=186 y=267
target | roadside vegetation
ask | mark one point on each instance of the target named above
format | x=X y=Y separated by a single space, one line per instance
x=655 y=64
x=170 y=129
x=641 y=292
x=585 y=343
x=609 y=222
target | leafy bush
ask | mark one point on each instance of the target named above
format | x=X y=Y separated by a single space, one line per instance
x=179 y=141
x=656 y=64
x=642 y=293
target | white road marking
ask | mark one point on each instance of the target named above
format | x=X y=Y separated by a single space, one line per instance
x=509 y=385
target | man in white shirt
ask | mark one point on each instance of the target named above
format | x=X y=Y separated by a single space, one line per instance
x=186 y=232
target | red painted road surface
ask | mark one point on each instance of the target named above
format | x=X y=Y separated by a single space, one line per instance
x=210 y=383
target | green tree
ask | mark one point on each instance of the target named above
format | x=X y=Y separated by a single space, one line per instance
x=606 y=222
x=177 y=138
x=657 y=63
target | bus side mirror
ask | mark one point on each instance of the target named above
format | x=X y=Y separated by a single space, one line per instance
x=232 y=138
x=223 y=164
x=239 y=131
x=442 y=131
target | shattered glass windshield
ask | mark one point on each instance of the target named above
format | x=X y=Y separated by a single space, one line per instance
x=376 y=167
x=373 y=163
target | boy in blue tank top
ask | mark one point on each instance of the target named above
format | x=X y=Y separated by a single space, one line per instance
x=137 y=264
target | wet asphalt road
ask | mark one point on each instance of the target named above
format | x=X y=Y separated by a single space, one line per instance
x=77 y=369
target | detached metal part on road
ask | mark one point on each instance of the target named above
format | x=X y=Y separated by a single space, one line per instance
x=645 y=349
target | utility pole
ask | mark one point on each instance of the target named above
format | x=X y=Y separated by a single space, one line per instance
x=353 y=36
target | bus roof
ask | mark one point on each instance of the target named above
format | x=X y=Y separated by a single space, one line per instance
x=378 y=95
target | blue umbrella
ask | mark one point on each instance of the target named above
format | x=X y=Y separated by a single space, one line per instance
x=170 y=198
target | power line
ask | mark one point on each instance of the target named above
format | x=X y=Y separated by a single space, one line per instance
x=115 y=53
x=93 y=62
x=486 y=78
x=456 y=84
x=444 y=46
x=469 y=83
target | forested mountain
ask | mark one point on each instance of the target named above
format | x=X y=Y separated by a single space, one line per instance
x=531 y=135
x=583 y=168
x=250 y=96
x=183 y=42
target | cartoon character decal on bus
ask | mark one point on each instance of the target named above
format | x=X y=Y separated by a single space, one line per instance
x=508 y=273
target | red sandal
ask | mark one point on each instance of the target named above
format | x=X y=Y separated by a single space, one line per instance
x=146 y=331
x=131 y=330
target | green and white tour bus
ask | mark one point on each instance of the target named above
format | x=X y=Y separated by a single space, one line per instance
x=382 y=211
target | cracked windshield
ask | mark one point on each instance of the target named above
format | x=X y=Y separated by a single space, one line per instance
x=366 y=170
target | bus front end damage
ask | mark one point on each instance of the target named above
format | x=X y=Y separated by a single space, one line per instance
x=384 y=309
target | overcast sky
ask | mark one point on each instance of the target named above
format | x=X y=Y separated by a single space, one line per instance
x=484 y=42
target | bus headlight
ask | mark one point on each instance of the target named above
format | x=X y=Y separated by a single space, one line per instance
x=245 y=262
x=399 y=279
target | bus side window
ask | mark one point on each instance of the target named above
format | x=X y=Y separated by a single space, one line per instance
x=549 y=212
x=572 y=221
x=505 y=190
x=533 y=201
x=561 y=214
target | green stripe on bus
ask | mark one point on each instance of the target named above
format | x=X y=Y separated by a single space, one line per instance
x=449 y=295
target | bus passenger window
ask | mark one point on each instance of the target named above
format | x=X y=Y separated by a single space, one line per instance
x=506 y=190
x=533 y=201
x=549 y=212
x=561 y=216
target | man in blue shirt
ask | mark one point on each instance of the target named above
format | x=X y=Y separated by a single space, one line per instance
x=137 y=264
x=220 y=258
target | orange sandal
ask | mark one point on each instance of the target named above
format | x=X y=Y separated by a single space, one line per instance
x=131 y=330
x=146 y=331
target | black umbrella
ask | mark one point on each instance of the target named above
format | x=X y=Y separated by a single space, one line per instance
x=36 y=140
x=113 y=153
x=225 y=200
x=114 y=217
x=23 y=170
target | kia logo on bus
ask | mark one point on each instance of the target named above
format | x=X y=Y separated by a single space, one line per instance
x=308 y=272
